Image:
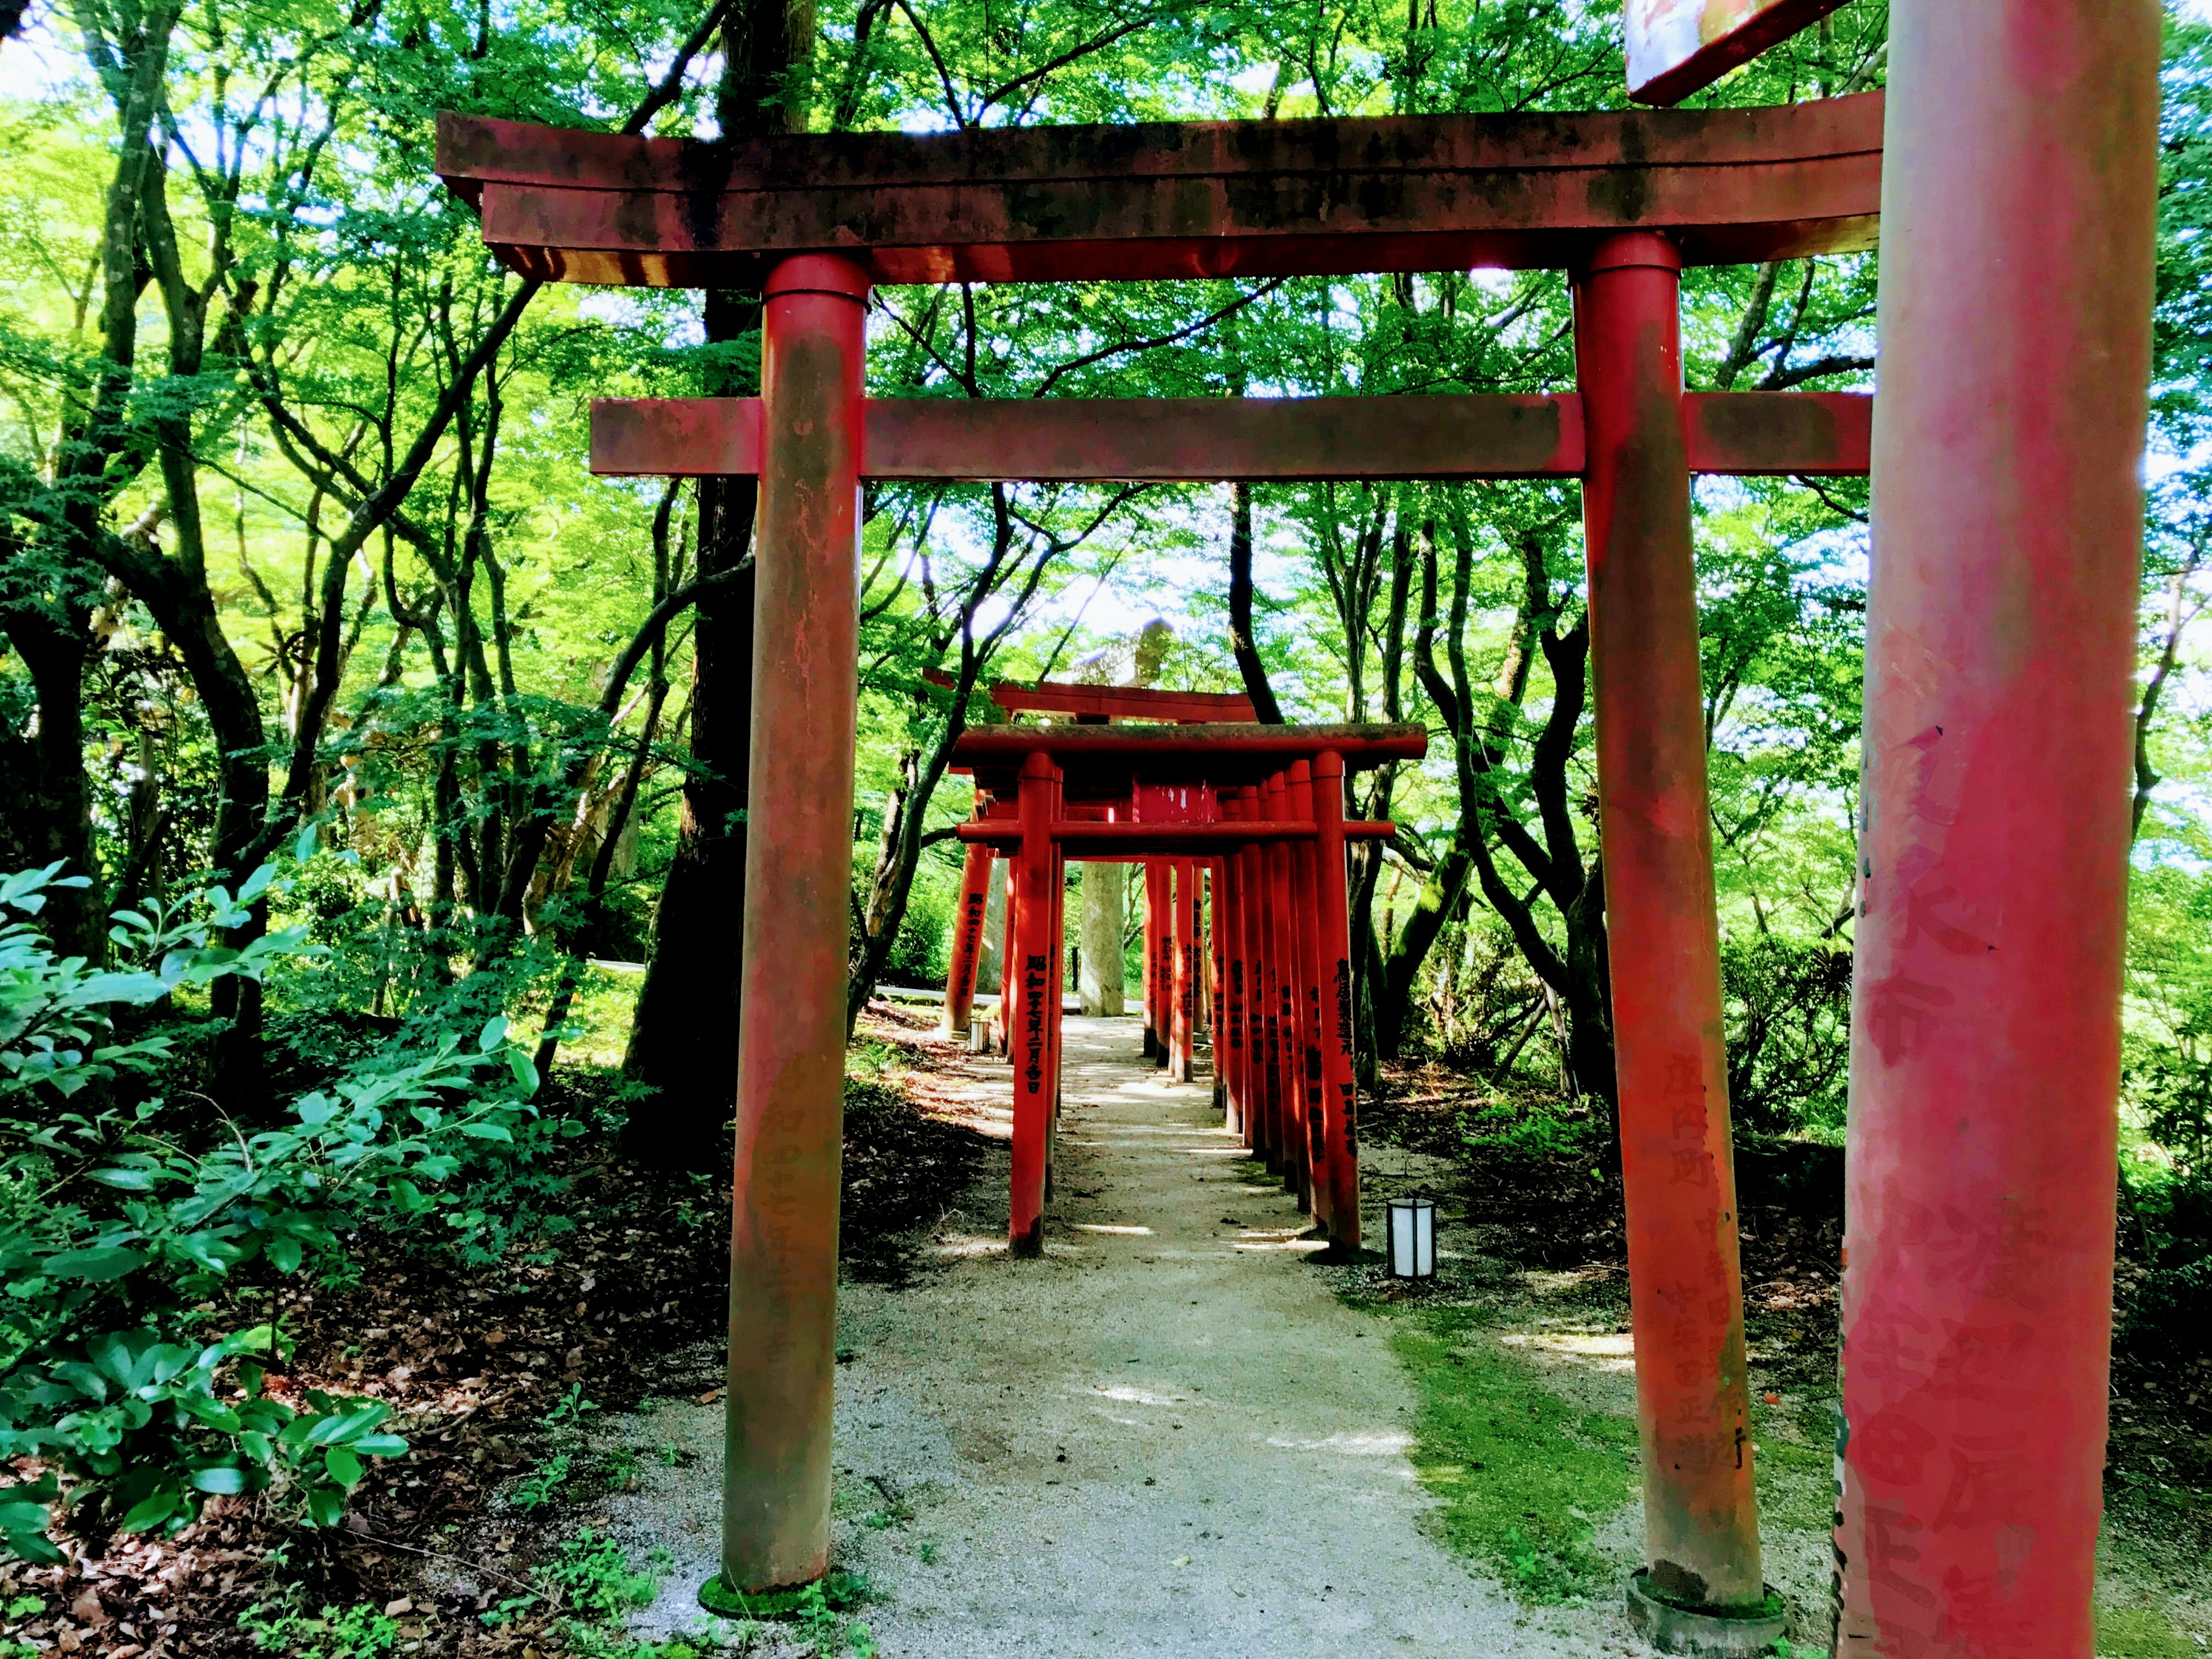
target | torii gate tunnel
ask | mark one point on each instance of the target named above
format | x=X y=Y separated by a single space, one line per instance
x=2017 y=215
x=1257 y=814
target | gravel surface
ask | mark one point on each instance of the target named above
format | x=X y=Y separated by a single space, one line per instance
x=1169 y=1436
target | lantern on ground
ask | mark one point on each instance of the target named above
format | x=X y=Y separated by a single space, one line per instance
x=1412 y=1238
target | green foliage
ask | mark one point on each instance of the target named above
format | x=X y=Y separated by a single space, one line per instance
x=128 y=1220
x=355 y=1632
x=535 y=1490
x=1789 y=1009
x=591 y=1578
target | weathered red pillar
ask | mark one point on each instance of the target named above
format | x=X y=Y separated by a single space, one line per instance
x=1160 y=939
x=1701 y=1525
x=1229 y=1015
x=1183 y=997
x=1002 y=1027
x=1038 y=976
x=1217 y=982
x=1056 y=1001
x=1147 y=946
x=1339 y=1086
x=967 y=940
x=1305 y=904
x=799 y=869
x=1251 y=906
x=2018 y=212
x=1282 y=891
x=1269 y=904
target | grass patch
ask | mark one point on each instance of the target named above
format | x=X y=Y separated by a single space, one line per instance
x=1526 y=1478
x=1796 y=1475
x=2139 y=1633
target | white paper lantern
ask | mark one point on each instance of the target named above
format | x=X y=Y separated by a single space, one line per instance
x=1412 y=1238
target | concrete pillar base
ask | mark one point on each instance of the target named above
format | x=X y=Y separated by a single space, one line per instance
x=1709 y=1635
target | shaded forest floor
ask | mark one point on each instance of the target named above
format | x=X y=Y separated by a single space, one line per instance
x=482 y=1542
x=496 y=1374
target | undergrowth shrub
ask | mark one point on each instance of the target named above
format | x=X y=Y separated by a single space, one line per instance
x=1789 y=1016
x=136 y=1221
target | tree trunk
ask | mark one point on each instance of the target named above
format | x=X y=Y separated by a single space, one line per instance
x=1105 y=888
x=1241 y=639
x=49 y=815
x=683 y=1038
x=1439 y=900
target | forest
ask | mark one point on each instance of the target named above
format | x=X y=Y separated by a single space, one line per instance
x=373 y=787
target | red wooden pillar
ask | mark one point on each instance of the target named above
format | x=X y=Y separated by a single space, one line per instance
x=1035 y=1057
x=967 y=940
x=1148 y=947
x=1701 y=1528
x=1184 y=998
x=1283 y=894
x=1057 y=1002
x=1159 y=913
x=1229 y=1013
x=1305 y=904
x=1268 y=908
x=1251 y=883
x=1216 y=967
x=2018 y=210
x=1002 y=1017
x=798 y=869
x=1339 y=1175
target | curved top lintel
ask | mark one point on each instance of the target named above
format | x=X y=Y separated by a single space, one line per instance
x=1324 y=196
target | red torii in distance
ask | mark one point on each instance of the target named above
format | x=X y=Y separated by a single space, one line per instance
x=1087 y=705
x=2014 y=327
x=1260 y=808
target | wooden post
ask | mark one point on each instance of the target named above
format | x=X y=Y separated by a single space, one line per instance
x=1686 y=1288
x=967 y=941
x=798 y=871
x=1340 y=1078
x=1035 y=1057
x=2019 y=215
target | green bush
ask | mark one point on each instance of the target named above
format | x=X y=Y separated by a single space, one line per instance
x=128 y=1220
x=1788 y=1014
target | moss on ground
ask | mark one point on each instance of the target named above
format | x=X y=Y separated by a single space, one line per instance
x=1794 y=1466
x=2139 y=1633
x=1526 y=1478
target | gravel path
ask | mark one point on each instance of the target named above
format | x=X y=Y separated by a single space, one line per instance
x=1167 y=1437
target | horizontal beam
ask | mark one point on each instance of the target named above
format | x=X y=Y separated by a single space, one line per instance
x=1127 y=703
x=1160 y=440
x=1330 y=197
x=1221 y=755
x=1206 y=440
x=1776 y=434
x=1078 y=836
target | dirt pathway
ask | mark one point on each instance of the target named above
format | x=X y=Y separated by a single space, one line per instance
x=1169 y=1436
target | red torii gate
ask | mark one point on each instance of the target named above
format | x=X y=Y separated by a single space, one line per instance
x=2000 y=653
x=1087 y=705
x=1260 y=808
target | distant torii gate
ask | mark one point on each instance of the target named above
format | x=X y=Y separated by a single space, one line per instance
x=2015 y=313
x=1087 y=705
x=1260 y=808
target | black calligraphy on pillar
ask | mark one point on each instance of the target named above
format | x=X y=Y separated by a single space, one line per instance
x=1036 y=973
